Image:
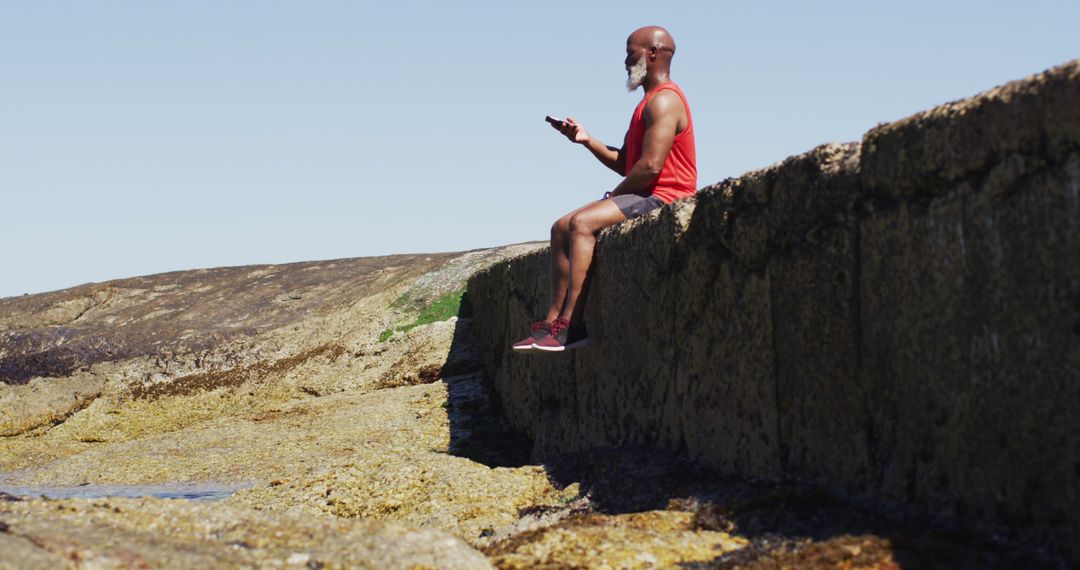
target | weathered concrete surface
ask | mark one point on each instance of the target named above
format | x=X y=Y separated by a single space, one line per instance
x=896 y=318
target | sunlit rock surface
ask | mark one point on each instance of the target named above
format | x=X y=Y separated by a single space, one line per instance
x=156 y=533
x=300 y=403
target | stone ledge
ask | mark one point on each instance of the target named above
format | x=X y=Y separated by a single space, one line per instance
x=897 y=319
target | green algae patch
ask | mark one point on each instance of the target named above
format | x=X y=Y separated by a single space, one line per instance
x=441 y=309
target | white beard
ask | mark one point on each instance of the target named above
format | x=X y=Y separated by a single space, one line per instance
x=636 y=74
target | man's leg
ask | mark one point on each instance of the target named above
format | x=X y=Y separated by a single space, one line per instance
x=584 y=224
x=574 y=238
x=560 y=262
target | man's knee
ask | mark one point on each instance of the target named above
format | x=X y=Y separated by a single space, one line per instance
x=560 y=228
x=582 y=223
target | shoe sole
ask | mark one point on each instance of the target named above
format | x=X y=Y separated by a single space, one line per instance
x=529 y=347
x=579 y=344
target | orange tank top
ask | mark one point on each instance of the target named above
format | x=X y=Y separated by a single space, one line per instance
x=678 y=177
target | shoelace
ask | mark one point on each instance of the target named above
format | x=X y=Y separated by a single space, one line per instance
x=558 y=325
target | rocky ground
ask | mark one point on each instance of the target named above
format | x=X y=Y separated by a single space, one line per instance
x=362 y=435
x=146 y=533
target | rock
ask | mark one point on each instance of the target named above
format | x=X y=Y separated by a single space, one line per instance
x=168 y=533
x=160 y=353
x=655 y=539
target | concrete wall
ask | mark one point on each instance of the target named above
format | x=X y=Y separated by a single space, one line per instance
x=897 y=318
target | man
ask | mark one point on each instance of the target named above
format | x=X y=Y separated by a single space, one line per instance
x=659 y=164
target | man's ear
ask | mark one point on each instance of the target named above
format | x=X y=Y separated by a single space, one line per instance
x=653 y=53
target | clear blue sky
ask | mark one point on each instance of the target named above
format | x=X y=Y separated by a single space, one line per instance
x=145 y=136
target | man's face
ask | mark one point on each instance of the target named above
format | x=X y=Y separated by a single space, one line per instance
x=636 y=64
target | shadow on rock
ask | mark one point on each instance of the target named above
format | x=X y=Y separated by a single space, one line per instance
x=478 y=427
x=788 y=525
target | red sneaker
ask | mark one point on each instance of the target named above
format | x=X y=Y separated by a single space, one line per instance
x=537 y=331
x=562 y=336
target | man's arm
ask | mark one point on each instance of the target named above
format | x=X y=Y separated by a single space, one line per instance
x=609 y=156
x=662 y=116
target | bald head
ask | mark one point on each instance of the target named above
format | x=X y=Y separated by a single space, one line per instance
x=653 y=37
x=648 y=57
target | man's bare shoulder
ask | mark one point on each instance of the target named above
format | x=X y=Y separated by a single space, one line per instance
x=664 y=105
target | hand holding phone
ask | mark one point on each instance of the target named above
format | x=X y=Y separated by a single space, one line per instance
x=555 y=121
x=569 y=128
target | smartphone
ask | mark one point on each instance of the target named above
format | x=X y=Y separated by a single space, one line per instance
x=555 y=121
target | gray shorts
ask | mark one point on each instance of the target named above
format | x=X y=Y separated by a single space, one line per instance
x=634 y=205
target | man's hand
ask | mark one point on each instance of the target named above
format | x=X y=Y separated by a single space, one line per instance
x=573 y=131
x=611 y=157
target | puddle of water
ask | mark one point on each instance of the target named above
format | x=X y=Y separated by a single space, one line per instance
x=189 y=491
